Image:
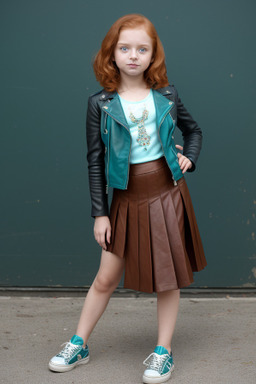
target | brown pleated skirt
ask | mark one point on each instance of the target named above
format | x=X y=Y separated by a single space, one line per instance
x=154 y=228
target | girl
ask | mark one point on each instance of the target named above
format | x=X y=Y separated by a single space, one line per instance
x=151 y=228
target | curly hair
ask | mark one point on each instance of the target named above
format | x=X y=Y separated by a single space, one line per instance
x=106 y=71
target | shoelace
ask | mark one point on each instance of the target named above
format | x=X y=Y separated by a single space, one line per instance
x=69 y=350
x=155 y=361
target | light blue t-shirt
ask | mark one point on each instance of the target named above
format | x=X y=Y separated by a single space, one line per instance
x=141 y=119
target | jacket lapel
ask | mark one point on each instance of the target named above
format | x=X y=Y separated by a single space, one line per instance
x=162 y=104
x=114 y=109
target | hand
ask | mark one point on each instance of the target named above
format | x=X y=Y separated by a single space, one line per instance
x=102 y=230
x=184 y=162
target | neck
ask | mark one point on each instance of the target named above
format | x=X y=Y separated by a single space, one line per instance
x=132 y=84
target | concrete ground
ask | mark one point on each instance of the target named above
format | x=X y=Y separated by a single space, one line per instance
x=214 y=341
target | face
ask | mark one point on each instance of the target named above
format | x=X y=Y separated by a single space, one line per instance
x=133 y=52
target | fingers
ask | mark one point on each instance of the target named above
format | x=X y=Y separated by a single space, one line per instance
x=100 y=238
x=179 y=147
x=187 y=166
x=108 y=235
x=102 y=231
x=184 y=163
x=102 y=242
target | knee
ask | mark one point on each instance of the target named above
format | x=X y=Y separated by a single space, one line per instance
x=104 y=284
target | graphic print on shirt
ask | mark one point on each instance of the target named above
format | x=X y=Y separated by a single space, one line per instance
x=143 y=137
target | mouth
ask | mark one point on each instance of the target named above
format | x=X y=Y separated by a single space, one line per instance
x=132 y=65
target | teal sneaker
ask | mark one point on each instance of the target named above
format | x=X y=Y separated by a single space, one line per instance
x=71 y=355
x=159 y=366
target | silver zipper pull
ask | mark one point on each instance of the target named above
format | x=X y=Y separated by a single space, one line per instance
x=106 y=189
x=174 y=182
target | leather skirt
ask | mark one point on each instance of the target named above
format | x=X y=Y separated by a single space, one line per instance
x=154 y=228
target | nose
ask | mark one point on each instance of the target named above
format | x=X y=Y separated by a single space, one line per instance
x=133 y=54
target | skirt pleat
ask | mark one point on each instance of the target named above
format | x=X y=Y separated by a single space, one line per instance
x=145 y=268
x=164 y=270
x=154 y=228
x=132 y=272
x=193 y=239
x=174 y=218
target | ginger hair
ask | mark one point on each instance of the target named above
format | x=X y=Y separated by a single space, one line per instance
x=105 y=69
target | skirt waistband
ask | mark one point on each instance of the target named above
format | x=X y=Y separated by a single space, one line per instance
x=149 y=166
x=147 y=180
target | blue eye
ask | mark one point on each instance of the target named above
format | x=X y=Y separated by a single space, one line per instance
x=124 y=49
x=143 y=50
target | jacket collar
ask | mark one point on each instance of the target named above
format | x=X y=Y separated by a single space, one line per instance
x=105 y=95
x=166 y=91
x=114 y=108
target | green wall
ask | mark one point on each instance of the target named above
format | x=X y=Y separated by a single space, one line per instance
x=46 y=233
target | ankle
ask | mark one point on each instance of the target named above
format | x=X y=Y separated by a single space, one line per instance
x=82 y=337
x=168 y=347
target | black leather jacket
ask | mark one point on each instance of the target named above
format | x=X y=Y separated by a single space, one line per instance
x=192 y=136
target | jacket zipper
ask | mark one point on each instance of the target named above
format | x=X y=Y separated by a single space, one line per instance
x=107 y=173
x=128 y=156
x=128 y=167
x=174 y=181
x=105 y=125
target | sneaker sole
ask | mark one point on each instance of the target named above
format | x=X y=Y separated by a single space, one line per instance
x=157 y=380
x=65 y=368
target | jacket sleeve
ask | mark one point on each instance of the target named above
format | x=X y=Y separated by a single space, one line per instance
x=191 y=133
x=95 y=158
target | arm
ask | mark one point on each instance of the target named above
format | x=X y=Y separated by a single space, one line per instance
x=95 y=158
x=96 y=170
x=191 y=133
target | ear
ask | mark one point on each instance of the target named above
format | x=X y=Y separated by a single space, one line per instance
x=151 y=61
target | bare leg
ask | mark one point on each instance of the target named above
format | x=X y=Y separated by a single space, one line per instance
x=167 y=311
x=105 y=282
